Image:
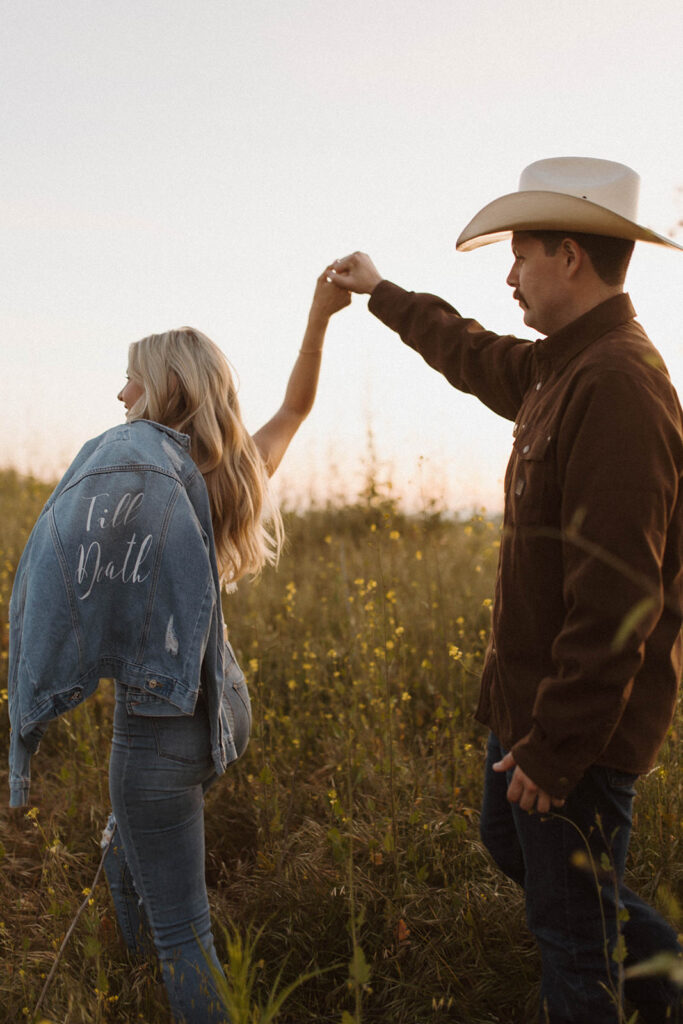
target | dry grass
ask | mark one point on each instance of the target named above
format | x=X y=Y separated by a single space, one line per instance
x=345 y=842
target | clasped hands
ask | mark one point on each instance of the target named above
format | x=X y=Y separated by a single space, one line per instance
x=354 y=273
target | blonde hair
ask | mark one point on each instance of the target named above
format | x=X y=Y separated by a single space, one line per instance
x=188 y=386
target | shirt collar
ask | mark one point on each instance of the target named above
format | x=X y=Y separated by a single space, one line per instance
x=560 y=347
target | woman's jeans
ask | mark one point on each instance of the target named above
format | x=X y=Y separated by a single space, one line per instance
x=570 y=864
x=159 y=771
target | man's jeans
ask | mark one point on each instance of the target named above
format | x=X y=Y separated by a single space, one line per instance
x=571 y=866
x=159 y=771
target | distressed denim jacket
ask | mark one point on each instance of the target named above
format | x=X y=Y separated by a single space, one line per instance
x=119 y=579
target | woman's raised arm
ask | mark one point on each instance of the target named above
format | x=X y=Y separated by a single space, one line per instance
x=274 y=437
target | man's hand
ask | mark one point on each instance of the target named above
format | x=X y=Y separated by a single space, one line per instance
x=356 y=273
x=523 y=791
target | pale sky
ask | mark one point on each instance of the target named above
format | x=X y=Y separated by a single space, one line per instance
x=171 y=162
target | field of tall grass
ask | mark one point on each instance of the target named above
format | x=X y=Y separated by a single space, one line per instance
x=344 y=865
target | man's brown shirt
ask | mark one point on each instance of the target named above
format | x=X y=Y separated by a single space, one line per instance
x=584 y=659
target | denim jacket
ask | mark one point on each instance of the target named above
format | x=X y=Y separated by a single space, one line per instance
x=119 y=579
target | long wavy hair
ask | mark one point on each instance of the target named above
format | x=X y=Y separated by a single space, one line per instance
x=189 y=386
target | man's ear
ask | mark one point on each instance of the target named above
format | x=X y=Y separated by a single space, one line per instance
x=572 y=256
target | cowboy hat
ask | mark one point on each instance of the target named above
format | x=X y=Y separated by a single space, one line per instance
x=571 y=193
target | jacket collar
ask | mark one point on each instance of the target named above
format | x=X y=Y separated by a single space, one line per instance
x=182 y=439
x=560 y=347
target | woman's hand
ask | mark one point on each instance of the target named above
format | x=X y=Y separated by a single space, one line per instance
x=328 y=298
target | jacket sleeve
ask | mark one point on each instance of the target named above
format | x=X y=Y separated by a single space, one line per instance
x=21 y=750
x=619 y=466
x=496 y=369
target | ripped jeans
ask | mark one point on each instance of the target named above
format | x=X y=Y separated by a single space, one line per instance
x=159 y=770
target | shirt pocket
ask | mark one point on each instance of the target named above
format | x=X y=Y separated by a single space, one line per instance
x=529 y=477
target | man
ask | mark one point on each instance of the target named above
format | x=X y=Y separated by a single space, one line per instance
x=581 y=675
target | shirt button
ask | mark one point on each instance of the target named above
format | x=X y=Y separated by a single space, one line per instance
x=76 y=696
x=538 y=386
x=563 y=781
x=526 y=448
x=152 y=684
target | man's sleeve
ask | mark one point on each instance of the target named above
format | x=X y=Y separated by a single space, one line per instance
x=496 y=369
x=618 y=465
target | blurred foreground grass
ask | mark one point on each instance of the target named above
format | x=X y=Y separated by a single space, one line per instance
x=344 y=844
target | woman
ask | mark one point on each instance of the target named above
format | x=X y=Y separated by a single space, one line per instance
x=129 y=555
